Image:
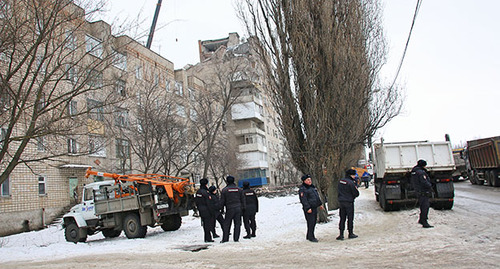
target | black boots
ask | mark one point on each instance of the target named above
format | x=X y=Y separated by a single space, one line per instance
x=351 y=236
x=425 y=224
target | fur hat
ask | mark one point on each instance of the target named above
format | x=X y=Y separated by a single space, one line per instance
x=212 y=189
x=246 y=184
x=230 y=179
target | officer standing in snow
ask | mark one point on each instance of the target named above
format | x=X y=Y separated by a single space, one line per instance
x=252 y=207
x=216 y=209
x=347 y=192
x=233 y=201
x=422 y=185
x=205 y=207
x=309 y=198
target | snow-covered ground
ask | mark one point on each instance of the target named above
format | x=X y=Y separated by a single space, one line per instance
x=467 y=236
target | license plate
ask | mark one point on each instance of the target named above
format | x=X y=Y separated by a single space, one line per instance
x=162 y=206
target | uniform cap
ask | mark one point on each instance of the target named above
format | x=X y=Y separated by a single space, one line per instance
x=203 y=181
x=350 y=172
x=421 y=163
x=304 y=177
x=212 y=189
x=229 y=179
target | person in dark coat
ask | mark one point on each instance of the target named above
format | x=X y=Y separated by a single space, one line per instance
x=233 y=201
x=252 y=207
x=310 y=200
x=347 y=192
x=205 y=208
x=423 y=188
x=217 y=210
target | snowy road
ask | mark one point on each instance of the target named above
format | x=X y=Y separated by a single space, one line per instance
x=467 y=236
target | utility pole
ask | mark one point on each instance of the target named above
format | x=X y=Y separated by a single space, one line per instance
x=153 y=25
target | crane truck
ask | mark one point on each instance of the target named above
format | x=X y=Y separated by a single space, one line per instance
x=128 y=203
x=392 y=178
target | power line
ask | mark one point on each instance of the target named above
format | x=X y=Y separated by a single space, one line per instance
x=417 y=8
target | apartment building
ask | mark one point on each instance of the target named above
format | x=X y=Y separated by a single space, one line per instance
x=251 y=121
x=116 y=84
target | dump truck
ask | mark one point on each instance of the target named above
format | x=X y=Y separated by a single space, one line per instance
x=483 y=161
x=128 y=203
x=461 y=167
x=392 y=173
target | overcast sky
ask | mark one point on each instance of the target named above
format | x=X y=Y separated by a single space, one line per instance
x=450 y=73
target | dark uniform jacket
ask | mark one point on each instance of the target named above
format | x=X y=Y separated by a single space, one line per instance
x=232 y=197
x=420 y=180
x=216 y=204
x=309 y=197
x=252 y=203
x=347 y=190
x=204 y=202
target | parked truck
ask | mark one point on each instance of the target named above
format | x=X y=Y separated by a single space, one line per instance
x=392 y=173
x=483 y=161
x=128 y=203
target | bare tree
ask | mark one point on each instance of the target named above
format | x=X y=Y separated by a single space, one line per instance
x=213 y=106
x=49 y=62
x=322 y=61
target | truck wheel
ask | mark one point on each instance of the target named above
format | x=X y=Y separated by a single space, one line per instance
x=74 y=234
x=111 y=233
x=495 y=179
x=488 y=177
x=171 y=222
x=132 y=226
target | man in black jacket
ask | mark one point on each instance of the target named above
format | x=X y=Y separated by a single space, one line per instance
x=423 y=188
x=232 y=199
x=205 y=207
x=252 y=207
x=309 y=198
x=347 y=192
x=217 y=210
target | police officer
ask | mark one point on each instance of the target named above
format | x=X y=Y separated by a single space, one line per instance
x=205 y=208
x=252 y=207
x=423 y=188
x=233 y=201
x=217 y=210
x=347 y=192
x=309 y=198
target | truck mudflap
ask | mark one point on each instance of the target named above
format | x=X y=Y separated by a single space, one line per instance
x=445 y=190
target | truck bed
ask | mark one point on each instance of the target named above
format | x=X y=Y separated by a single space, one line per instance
x=400 y=158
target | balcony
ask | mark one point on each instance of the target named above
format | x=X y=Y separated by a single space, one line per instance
x=252 y=147
x=243 y=111
x=253 y=130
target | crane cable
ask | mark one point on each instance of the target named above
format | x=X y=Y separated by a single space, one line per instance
x=417 y=8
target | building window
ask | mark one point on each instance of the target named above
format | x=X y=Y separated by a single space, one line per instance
x=94 y=79
x=72 y=146
x=122 y=148
x=5 y=10
x=40 y=143
x=178 y=88
x=181 y=111
x=249 y=139
x=70 y=40
x=192 y=95
x=5 y=187
x=41 y=66
x=95 y=110
x=42 y=103
x=156 y=80
x=167 y=85
x=41 y=185
x=121 y=117
x=193 y=115
x=97 y=147
x=120 y=61
x=3 y=136
x=138 y=72
x=71 y=73
x=72 y=108
x=93 y=46
x=120 y=86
